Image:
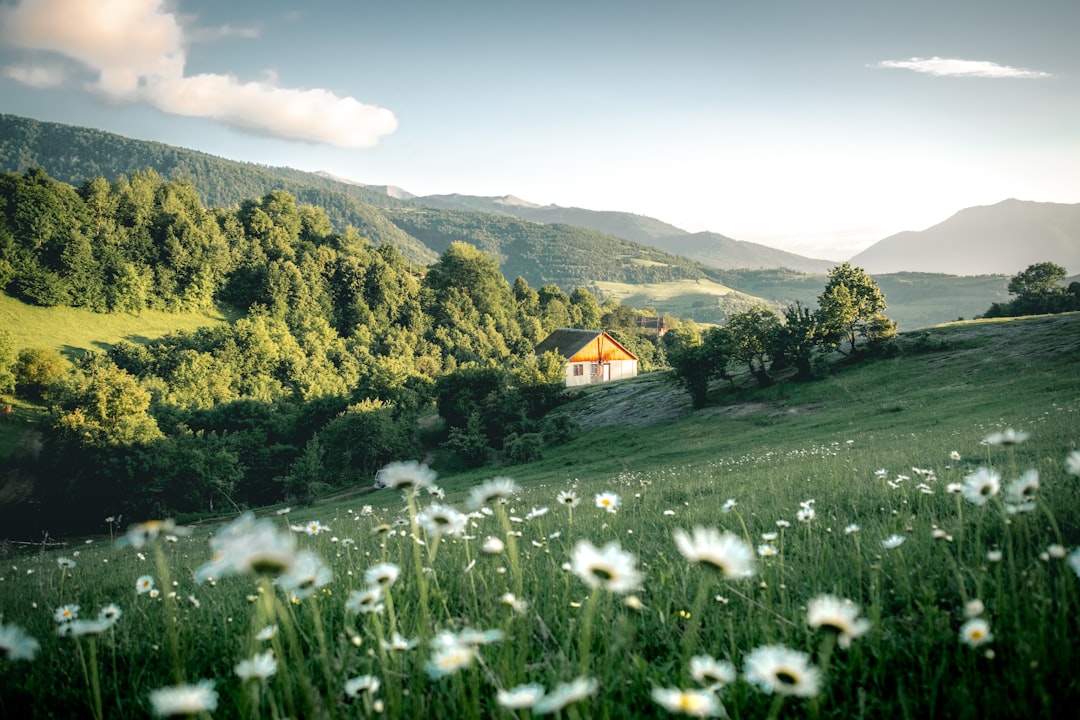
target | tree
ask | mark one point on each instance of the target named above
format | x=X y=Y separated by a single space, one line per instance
x=696 y=360
x=104 y=406
x=37 y=369
x=852 y=306
x=1038 y=289
x=797 y=340
x=1039 y=279
x=753 y=335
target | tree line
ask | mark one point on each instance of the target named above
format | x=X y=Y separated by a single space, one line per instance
x=338 y=339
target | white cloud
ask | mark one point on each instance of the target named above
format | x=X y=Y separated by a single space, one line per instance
x=954 y=67
x=37 y=76
x=138 y=50
x=311 y=115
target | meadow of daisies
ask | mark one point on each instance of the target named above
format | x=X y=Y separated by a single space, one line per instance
x=925 y=566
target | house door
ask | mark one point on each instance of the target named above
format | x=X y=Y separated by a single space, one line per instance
x=605 y=372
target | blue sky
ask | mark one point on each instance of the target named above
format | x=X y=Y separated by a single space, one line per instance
x=816 y=127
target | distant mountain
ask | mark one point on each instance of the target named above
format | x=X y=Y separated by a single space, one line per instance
x=710 y=249
x=722 y=252
x=638 y=228
x=993 y=239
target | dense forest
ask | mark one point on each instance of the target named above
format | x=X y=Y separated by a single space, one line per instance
x=338 y=338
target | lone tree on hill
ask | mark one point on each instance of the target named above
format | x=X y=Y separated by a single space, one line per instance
x=852 y=305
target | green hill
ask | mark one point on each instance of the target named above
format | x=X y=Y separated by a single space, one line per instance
x=569 y=247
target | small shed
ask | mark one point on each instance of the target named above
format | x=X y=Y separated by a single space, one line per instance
x=592 y=356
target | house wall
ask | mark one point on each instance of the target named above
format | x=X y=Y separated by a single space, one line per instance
x=586 y=373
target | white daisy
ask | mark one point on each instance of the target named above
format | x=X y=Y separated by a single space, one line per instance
x=405 y=476
x=695 y=703
x=839 y=615
x=725 y=552
x=712 y=673
x=568 y=498
x=565 y=694
x=608 y=501
x=779 y=669
x=976 y=632
x=1006 y=437
x=16 y=643
x=521 y=697
x=259 y=666
x=499 y=489
x=182 y=700
x=609 y=568
x=981 y=485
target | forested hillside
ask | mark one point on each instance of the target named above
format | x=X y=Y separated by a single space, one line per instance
x=338 y=338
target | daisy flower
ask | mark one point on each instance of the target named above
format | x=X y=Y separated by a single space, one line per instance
x=695 y=703
x=609 y=568
x=1006 y=437
x=145 y=533
x=893 y=541
x=66 y=613
x=712 y=673
x=521 y=697
x=65 y=563
x=16 y=643
x=397 y=642
x=499 y=489
x=976 y=632
x=438 y=520
x=779 y=669
x=1074 y=561
x=841 y=616
x=608 y=501
x=260 y=666
x=449 y=655
x=1072 y=463
x=565 y=694
x=974 y=608
x=314 y=527
x=365 y=601
x=267 y=633
x=80 y=628
x=981 y=485
x=383 y=574
x=568 y=498
x=725 y=552
x=1020 y=494
x=851 y=529
x=183 y=700
x=728 y=505
x=805 y=514
x=308 y=573
x=247 y=545
x=357 y=686
x=110 y=613
x=493 y=545
x=409 y=475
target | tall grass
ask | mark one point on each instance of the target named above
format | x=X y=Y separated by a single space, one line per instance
x=872 y=452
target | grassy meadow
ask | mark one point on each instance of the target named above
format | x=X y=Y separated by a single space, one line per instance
x=896 y=540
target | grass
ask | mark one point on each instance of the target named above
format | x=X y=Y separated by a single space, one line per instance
x=74 y=331
x=876 y=445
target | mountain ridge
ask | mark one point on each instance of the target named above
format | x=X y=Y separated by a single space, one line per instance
x=1002 y=238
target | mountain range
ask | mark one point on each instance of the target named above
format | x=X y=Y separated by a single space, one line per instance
x=576 y=247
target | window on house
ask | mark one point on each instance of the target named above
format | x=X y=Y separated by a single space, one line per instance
x=579 y=369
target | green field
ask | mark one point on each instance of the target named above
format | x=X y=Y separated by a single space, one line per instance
x=73 y=331
x=949 y=605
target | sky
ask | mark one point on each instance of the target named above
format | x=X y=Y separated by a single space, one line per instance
x=814 y=127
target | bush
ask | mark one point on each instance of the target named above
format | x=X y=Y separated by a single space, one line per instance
x=523 y=448
x=558 y=429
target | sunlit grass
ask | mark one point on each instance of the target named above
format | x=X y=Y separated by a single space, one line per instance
x=938 y=605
